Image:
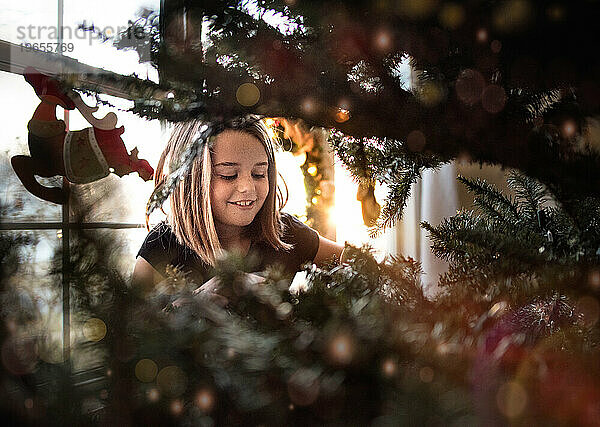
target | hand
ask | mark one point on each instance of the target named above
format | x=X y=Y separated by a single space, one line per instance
x=211 y=288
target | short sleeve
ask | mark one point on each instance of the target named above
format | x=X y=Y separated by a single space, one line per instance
x=158 y=247
x=304 y=239
x=161 y=248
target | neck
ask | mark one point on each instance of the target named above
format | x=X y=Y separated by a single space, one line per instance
x=232 y=238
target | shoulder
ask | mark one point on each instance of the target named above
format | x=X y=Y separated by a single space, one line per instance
x=159 y=245
x=304 y=239
x=160 y=235
x=292 y=225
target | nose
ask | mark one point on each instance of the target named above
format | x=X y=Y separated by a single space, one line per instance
x=245 y=184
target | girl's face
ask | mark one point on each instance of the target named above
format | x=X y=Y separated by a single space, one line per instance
x=240 y=179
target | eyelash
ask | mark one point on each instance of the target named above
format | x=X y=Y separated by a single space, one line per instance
x=232 y=177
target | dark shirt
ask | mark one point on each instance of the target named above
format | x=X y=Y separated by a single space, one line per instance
x=161 y=249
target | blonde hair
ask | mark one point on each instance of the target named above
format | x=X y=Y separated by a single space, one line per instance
x=191 y=216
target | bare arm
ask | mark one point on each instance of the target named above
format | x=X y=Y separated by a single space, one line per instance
x=145 y=277
x=328 y=250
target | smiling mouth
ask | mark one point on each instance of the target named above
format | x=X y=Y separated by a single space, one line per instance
x=243 y=203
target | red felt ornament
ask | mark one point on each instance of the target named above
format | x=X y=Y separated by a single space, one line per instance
x=80 y=156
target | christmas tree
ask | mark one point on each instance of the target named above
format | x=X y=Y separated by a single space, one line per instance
x=512 y=338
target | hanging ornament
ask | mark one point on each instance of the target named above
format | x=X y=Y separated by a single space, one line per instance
x=370 y=208
x=80 y=156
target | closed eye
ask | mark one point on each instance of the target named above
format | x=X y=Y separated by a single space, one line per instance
x=259 y=175
x=228 y=177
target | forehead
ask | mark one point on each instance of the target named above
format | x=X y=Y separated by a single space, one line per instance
x=233 y=146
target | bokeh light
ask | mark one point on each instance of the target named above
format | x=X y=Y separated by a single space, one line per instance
x=481 y=35
x=417 y=9
x=341 y=349
x=171 y=380
x=555 y=12
x=153 y=395
x=383 y=40
x=594 y=279
x=205 y=400
x=451 y=15
x=247 y=94
x=146 y=370
x=431 y=94
x=176 y=407
x=426 y=374
x=511 y=399
x=568 y=129
x=512 y=15
x=469 y=86
x=94 y=329
x=312 y=170
x=389 y=367
x=308 y=105
x=493 y=99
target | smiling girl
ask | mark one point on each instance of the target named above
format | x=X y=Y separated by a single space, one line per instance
x=228 y=202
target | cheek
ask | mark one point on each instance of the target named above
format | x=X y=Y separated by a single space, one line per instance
x=264 y=189
x=218 y=192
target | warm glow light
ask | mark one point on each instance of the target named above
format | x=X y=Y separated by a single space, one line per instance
x=308 y=105
x=300 y=158
x=146 y=370
x=171 y=380
x=511 y=399
x=176 y=407
x=568 y=129
x=312 y=170
x=153 y=395
x=482 y=35
x=94 y=329
x=287 y=166
x=388 y=367
x=342 y=116
x=341 y=349
x=205 y=400
x=346 y=216
x=247 y=94
x=452 y=15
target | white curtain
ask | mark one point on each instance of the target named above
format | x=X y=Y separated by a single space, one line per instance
x=433 y=198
